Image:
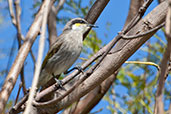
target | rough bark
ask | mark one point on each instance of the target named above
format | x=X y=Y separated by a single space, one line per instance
x=93 y=98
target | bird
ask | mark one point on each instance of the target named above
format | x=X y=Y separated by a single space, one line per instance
x=64 y=51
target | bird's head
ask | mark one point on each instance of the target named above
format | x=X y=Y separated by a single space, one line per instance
x=78 y=24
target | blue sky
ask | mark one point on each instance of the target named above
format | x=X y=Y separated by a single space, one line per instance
x=115 y=13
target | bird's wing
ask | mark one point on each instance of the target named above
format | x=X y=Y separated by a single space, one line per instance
x=54 y=49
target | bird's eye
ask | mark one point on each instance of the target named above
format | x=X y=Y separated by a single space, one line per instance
x=81 y=21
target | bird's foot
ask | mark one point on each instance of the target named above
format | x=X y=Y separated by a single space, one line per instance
x=59 y=83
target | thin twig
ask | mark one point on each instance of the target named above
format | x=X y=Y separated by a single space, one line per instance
x=10 y=4
x=33 y=58
x=55 y=100
x=59 y=6
x=39 y=60
x=18 y=93
x=144 y=33
x=16 y=109
x=20 y=38
x=138 y=16
x=18 y=24
x=23 y=81
x=52 y=22
x=98 y=111
x=13 y=17
x=10 y=56
x=145 y=63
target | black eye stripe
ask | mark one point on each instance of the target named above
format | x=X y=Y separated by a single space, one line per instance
x=78 y=21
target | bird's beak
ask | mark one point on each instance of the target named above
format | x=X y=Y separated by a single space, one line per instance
x=92 y=26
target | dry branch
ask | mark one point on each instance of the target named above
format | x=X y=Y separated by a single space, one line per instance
x=39 y=60
x=159 y=105
x=52 y=21
x=93 y=98
x=19 y=61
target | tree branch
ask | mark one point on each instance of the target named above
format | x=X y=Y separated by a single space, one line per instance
x=93 y=98
x=39 y=60
x=10 y=4
x=52 y=21
x=159 y=108
x=95 y=12
x=145 y=63
x=19 y=61
x=143 y=34
x=138 y=16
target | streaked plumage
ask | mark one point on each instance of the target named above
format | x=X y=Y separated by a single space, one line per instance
x=65 y=51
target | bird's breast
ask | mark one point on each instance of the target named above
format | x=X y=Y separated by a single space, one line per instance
x=75 y=41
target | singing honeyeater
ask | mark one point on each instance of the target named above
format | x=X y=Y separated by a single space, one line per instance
x=65 y=50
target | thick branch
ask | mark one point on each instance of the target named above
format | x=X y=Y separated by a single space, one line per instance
x=95 y=12
x=159 y=108
x=160 y=1
x=52 y=26
x=93 y=98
